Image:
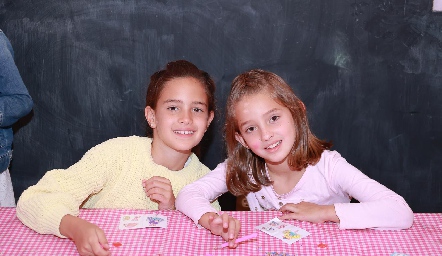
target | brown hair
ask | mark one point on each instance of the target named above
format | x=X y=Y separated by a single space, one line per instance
x=306 y=150
x=177 y=69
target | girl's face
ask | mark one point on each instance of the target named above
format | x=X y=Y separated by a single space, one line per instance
x=181 y=116
x=265 y=126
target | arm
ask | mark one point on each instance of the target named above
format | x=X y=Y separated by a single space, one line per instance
x=200 y=193
x=61 y=192
x=379 y=206
x=15 y=101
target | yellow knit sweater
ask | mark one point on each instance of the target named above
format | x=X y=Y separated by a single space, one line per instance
x=108 y=176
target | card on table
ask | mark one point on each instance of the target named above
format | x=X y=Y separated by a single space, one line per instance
x=133 y=221
x=284 y=231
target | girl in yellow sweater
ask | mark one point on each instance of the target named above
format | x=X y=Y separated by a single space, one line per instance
x=129 y=172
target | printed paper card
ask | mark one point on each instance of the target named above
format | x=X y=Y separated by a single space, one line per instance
x=134 y=221
x=155 y=221
x=284 y=231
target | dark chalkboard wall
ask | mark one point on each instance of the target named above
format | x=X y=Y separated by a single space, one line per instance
x=369 y=72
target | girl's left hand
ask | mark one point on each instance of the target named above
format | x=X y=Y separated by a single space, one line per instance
x=159 y=190
x=311 y=212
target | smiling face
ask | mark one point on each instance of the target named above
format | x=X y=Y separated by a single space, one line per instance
x=265 y=126
x=181 y=115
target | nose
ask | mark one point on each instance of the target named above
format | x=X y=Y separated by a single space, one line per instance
x=185 y=118
x=266 y=134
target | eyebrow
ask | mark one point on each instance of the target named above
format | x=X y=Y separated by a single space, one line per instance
x=180 y=101
x=266 y=113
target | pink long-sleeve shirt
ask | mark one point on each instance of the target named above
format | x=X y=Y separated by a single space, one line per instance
x=332 y=181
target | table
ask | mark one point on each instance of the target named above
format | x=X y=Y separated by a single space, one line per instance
x=183 y=237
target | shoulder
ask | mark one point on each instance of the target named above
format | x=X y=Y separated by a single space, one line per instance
x=124 y=141
x=329 y=158
x=330 y=162
x=122 y=144
x=333 y=165
x=195 y=167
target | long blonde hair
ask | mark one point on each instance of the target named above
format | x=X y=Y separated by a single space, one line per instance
x=306 y=150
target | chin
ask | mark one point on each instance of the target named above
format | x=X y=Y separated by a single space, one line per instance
x=275 y=160
x=183 y=150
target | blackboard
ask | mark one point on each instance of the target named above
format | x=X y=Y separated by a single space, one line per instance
x=369 y=72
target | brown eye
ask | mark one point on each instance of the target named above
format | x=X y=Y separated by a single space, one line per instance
x=173 y=108
x=274 y=118
x=199 y=110
x=250 y=129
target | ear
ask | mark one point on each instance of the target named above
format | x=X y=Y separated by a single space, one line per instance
x=149 y=113
x=241 y=140
x=209 y=121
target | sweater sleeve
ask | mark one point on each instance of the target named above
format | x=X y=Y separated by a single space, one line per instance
x=378 y=207
x=60 y=192
x=194 y=199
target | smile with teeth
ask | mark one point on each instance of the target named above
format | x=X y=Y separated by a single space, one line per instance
x=184 y=132
x=274 y=144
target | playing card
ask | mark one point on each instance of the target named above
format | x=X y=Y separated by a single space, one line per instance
x=284 y=231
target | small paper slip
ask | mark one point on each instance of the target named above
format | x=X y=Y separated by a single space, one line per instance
x=284 y=231
x=133 y=221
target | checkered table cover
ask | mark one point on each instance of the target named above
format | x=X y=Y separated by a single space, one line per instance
x=183 y=237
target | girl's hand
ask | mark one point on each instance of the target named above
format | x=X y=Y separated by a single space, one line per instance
x=159 y=190
x=311 y=212
x=225 y=226
x=88 y=238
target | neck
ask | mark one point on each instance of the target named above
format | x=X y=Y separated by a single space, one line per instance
x=169 y=158
x=284 y=178
x=278 y=168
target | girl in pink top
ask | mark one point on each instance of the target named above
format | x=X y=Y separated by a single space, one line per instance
x=276 y=161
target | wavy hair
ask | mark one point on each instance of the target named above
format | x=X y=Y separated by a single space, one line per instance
x=245 y=170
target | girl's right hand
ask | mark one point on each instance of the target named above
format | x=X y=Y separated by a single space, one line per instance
x=88 y=238
x=222 y=225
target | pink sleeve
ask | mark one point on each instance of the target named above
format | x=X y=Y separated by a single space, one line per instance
x=378 y=207
x=194 y=199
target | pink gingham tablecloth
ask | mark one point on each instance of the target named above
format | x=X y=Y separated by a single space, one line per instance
x=183 y=237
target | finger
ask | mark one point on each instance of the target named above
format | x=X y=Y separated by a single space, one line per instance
x=97 y=249
x=215 y=224
x=158 y=184
x=100 y=246
x=226 y=220
x=158 y=179
x=84 y=251
x=233 y=228
x=159 y=198
x=288 y=216
x=216 y=220
x=156 y=190
x=102 y=239
x=288 y=208
x=211 y=218
x=156 y=194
